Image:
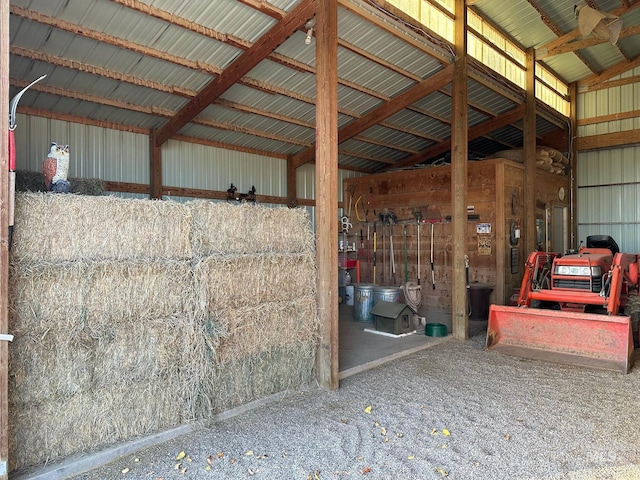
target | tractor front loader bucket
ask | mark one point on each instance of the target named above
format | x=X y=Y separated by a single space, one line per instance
x=581 y=339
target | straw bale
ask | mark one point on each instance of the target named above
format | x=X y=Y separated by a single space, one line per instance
x=48 y=295
x=251 y=330
x=54 y=429
x=34 y=182
x=55 y=228
x=231 y=281
x=275 y=370
x=50 y=366
x=247 y=228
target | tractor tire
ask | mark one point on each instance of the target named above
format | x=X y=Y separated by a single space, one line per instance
x=632 y=308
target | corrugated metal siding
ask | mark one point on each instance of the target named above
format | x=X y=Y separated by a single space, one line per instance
x=608 y=180
x=190 y=165
x=95 y=152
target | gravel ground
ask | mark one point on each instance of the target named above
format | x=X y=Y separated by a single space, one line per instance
x=453 y=410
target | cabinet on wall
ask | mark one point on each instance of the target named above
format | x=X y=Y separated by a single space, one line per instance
x=348 y=262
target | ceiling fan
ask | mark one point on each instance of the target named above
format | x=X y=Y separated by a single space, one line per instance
x=601 y=25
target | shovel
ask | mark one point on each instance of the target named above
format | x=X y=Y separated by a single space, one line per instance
x=432 y=216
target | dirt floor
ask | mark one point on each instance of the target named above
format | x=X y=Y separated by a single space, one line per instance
x=452 y=410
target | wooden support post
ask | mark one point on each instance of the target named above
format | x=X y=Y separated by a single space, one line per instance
x=573 y=135
x=4 y=237
x=529 y=146
x=292 y=187
x=459 y=154
x=327 y=189
x=155 y=166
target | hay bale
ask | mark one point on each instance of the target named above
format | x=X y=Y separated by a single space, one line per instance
x=57 y=228
x=70 y=294
x=51 y=430
x=34 y=182
x=275 y=370
x=222 y=228
x=232 y=281
x=251 y=330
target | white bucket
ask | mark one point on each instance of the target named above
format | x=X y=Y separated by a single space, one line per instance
x=349 y=294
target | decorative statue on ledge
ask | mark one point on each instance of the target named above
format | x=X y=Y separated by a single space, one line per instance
x=55 y=169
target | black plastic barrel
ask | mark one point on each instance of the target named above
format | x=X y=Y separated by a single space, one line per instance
x=479 y=299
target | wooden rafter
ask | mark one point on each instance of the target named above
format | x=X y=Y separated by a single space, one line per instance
x=584 y=43
x=556 y=30
x=422 y=89
x=617 y=69
x=474 y=132
x=565 y=39
x=238 y=68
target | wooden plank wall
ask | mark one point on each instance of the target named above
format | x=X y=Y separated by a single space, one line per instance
x=491 y=187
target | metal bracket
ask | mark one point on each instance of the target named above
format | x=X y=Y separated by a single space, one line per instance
x=6 y=337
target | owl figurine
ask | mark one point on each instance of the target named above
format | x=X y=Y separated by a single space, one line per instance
x=55 y=169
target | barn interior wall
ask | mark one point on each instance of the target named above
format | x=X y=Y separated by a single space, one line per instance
x=494 y=200
x=608 y=179
x=118 y=156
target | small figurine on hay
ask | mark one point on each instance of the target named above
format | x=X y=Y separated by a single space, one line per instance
x=55 y=169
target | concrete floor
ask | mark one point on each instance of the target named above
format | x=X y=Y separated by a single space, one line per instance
x=360 y=350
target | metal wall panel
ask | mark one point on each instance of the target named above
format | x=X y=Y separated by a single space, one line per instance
x=94 y=152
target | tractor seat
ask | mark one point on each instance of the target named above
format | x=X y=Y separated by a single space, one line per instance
x=602 y=241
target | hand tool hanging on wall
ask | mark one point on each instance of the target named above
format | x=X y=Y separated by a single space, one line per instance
x=13 y=105
x=406 y=259
x=389 y=218
x=466 y=279
x=375 y=249
x=417 y=214
x=433 y=216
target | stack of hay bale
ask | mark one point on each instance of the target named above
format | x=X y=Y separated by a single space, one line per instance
x=134 y=316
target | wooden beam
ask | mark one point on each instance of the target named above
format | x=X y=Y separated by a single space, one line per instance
x=573 y=192
x=459 y=169
x=474 y=132
x=238 y=68
x=155 y=166
x=584 y=43
x=4 y=238
x=609 y=118
x=617 y=69
x=292 y=194
x=530 y=168
x=608 y=140
x=415 y=93
x=327 y=190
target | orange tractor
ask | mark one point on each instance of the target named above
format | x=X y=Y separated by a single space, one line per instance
x=580 y=309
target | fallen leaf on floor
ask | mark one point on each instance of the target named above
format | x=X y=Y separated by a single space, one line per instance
x=343 y=420
x=263 y=456
x=386 y=440
x=220 y=455
x=136 y=459
x=383 y=431
x=251 y=471
x=367 y=409
x=445 y=432
x=208 y=468
x=183 y=471
x=232 y=461
x=360 y=458
x=125 y=470
x=249 y=453
x=434 y=431
x=181 y=455
x=376 y=424
x=210 y=460
x=400 y=434
x=445 y=445
x=442 y=472
x=178 y=465
x=411 y=457
x=314 y=476
x=366 y=470
x=189 y=459
x=507 y=437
